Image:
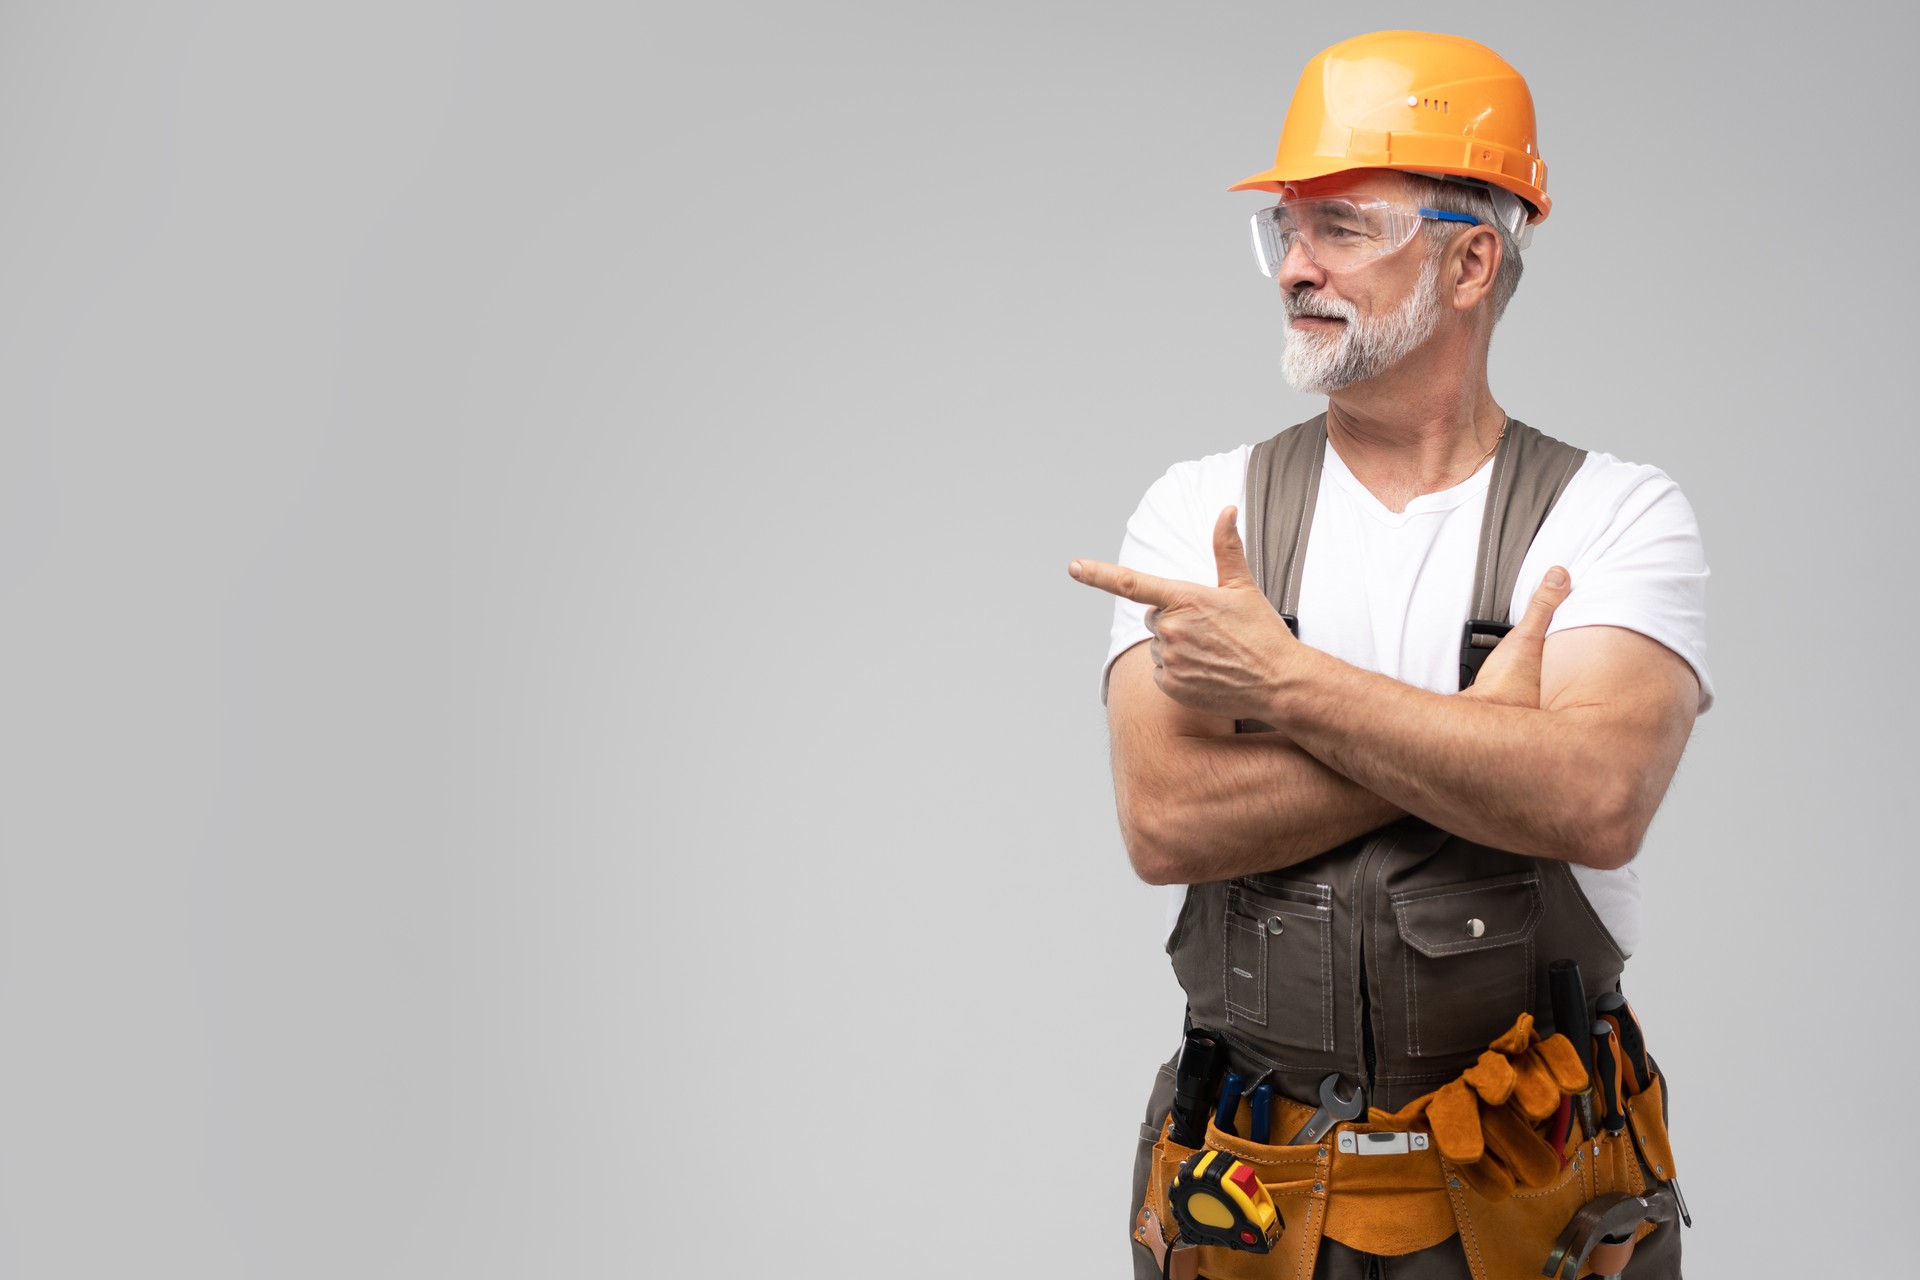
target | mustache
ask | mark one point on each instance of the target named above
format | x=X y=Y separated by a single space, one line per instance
x=1306 y=304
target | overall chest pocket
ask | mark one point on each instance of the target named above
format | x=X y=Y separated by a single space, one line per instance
x=1277 y=954
x=1467 y=961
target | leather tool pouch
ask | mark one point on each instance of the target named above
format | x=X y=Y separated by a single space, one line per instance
x=1397 y=1204
x=1296 y=1178
x=1647 y=1118
x=1387 y=1204
x=1512 y=1237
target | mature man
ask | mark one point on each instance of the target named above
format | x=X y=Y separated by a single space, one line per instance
x=1384 y=831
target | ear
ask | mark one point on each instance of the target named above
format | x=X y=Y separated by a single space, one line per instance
x=1476 y=255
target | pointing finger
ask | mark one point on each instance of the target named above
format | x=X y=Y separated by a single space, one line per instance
x=1228 y=555
x=1118 y=580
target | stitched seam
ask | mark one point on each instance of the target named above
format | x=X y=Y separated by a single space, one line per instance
x=1227 y=1001
x=1310 y=1238
x=1299 y=530
x=1355 y=961
x=1379 y=872
x=1488 y=943
x=1470 y=1242
x=1256 y=523
x=1525 y=993
x=1525 y=930
x=1260 y=1161
x=1567 y=1175
x=1492 y=521
x=1226 y=955
x=1574 y=459
x=1413 y=1002
x=1478 y=887
x=1326 y=971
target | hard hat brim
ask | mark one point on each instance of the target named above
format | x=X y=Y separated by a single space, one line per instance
x=1274 y=179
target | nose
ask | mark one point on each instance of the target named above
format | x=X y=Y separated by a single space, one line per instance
x=1297 y=270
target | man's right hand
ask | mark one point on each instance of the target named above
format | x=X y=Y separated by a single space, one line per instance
x=1511 y=674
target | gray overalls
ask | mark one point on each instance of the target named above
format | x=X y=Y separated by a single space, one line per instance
x=1395 y=958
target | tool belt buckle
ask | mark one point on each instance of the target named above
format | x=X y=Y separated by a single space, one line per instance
x=1389 y=1142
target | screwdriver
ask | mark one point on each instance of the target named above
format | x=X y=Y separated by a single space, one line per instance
x=1612 y=1114
x=1571 y=1019
x=1229 y=1103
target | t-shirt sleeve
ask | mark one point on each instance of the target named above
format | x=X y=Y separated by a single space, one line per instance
x=1160 y=540
x=1633 y=546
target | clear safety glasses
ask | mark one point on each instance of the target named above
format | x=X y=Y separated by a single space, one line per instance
x=1338 y=232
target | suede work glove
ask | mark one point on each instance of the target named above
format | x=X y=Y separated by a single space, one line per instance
x=1488 y=1121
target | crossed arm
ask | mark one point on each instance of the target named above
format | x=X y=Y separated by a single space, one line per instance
x=1563 y=748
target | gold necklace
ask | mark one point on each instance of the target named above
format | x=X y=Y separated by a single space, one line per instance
x=1496 y=444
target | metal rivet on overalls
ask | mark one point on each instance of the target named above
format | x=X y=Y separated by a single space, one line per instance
x=1476 y=927
x=1275 y=924
x=1454 y=1183
x=1316 y=1188
x=1660 y=1169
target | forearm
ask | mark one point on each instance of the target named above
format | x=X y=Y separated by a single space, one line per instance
x=1214 y=808
x=1543 y=783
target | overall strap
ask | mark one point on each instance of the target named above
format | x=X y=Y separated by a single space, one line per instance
x=1283 y=482
x=1530 y=472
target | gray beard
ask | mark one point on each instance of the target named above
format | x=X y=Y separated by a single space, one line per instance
x=1319 y=363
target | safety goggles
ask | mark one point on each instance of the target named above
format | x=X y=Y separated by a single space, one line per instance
x=1339 y=232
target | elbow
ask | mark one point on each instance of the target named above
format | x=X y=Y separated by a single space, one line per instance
x=1154 y=857
x=1610 y=850
x=1621 y=819
x=1150 y=868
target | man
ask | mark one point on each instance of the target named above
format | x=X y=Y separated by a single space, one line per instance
x=1374 y=865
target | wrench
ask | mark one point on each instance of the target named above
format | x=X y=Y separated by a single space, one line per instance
x=1333 y=1108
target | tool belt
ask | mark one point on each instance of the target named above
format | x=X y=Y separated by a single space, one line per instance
x=1392 y=1195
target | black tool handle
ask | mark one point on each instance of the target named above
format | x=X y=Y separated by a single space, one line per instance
x=1570 y=1016
x=1612 y=1114
x=1633 y=1047
x=1203 y=1059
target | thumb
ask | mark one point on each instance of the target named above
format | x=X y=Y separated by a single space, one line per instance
x=1228 y=555
x=1551 y=594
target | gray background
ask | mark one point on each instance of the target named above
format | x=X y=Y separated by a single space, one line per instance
x=544 y=726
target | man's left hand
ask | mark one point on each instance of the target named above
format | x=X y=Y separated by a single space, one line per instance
x=1219 y=650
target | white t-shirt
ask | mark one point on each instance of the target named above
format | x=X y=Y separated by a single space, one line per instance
x=1389 y=591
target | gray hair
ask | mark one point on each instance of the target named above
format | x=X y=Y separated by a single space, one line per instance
x=1472 y=198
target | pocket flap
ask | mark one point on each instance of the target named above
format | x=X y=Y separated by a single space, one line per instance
x=1256 y=897
x=1476 y=916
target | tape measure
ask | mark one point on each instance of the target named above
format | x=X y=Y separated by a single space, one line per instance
x=1217 y=1200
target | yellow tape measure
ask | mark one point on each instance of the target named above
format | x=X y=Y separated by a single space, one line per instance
x=1217 y=1200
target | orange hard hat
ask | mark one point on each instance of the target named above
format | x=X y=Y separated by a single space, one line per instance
x=1411 y=100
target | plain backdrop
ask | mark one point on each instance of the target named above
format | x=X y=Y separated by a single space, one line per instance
x=544 y=727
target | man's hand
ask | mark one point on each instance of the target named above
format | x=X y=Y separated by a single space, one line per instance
x=1511 y=674
x=1217 y=649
